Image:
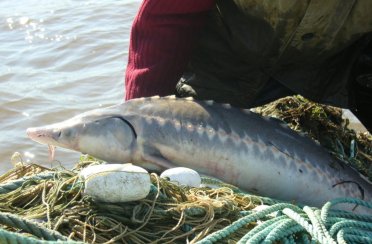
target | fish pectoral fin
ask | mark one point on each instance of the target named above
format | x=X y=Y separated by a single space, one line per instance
x=154 y=156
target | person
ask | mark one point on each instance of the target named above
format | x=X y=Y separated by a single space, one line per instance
x=251 y=52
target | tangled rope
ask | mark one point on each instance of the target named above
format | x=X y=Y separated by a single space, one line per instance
x=30 y=227
x=294 y=225
x=279 y=221
x=8 y=237
x=10 y=186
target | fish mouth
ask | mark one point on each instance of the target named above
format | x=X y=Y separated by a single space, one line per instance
x=41 y=135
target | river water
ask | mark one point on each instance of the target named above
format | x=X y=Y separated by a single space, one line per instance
x=58 y=59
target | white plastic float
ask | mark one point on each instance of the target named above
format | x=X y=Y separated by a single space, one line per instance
x=182 y=176
x=116 y=182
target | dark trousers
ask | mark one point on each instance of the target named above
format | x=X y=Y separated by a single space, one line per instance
x=361 y=89
x=363 y=106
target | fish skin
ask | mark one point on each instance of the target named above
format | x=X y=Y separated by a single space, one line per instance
x=255 y=153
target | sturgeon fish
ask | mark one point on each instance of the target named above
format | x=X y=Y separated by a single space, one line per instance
x=257 y=154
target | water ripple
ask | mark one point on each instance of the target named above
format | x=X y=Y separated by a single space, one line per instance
x=61 y=58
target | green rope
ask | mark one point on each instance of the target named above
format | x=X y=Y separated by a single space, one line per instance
x=255 y=232
x=7 y=237
x=259 y=236
x=290 y=231
x=326 y=208
x=11 y=186
x=282 y=228
x=350 y=223
x=305 y=239
x=276 y=232
x=266 y=230
x=291 y=224
x=30 y=227
x=341 y=237
x=221 y=234
x=246 y=212
x=353 y=231
x=352 y=235
x=298 y=220
x=288 y=240
x=315 y=233
x=317 y=223
x=357 y=239
x=337 y=215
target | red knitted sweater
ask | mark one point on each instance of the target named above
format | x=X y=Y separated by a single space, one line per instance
x=162 y=36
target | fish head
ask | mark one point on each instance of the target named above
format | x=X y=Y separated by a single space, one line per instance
x=105 y=136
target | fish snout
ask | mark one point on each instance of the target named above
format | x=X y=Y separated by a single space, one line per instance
x=42 y=134
x=33 y=132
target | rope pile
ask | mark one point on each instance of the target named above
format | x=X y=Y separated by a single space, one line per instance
x=54 y=199
x=49 y=206
x=294 y=225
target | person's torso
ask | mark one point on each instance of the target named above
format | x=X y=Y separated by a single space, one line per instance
x=295 y=42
